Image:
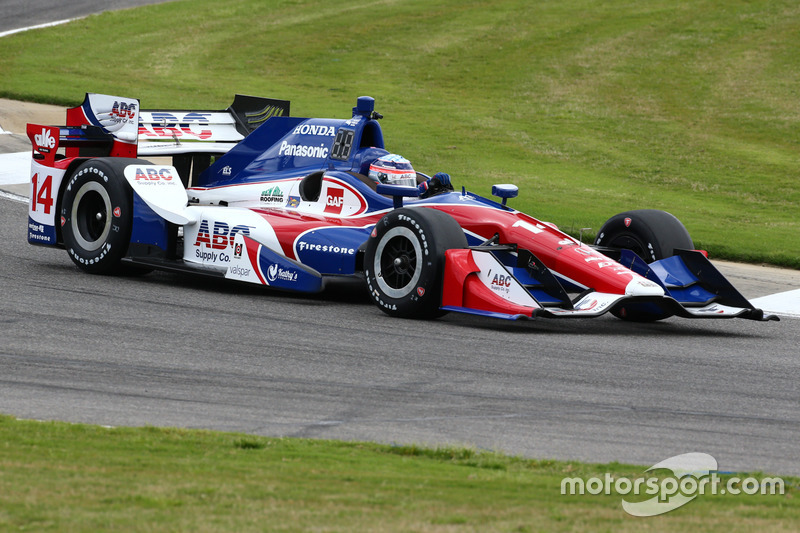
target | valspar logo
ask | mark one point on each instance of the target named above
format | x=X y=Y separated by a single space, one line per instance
x=692 y=474
x=44 y=140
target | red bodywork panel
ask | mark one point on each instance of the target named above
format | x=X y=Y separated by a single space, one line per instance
x=462 y=288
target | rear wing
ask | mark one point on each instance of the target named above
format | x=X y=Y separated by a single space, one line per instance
x=166 y=132
x=112 y=126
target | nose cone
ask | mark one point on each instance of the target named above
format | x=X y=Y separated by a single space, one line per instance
x=640 y=286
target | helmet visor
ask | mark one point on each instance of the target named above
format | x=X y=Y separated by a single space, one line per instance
x=392 y=176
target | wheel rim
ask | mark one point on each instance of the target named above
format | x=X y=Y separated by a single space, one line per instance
x=629 y=242
x=90 y=219
x=397 y=262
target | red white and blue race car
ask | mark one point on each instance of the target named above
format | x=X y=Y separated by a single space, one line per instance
x=255 y=195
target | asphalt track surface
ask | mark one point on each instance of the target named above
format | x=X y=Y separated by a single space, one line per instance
x=172 y=351
x=168 y=350
x=16 y=14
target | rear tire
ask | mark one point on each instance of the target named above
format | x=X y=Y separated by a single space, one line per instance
x=404 y=261
x=650 y=233
x=97 y=215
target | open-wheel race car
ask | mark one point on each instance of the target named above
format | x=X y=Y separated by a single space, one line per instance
x=255 y=195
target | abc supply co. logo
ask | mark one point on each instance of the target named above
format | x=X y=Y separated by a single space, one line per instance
x=693 y=474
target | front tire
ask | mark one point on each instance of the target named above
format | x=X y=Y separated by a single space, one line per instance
x=404 y=260
x=97 y=215
x=650 y=233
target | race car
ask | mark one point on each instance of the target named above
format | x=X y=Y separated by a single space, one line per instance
x=253 y=194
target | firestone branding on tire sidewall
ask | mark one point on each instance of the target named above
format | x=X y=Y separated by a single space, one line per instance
x=376 y=295
x=113 y=188
x=431 y=233
x=104 y=250
x=93 y=170
x=415 y=293
x=413 y=223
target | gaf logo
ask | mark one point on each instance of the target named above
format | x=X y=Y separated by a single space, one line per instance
x=152 y=174
x=44 y=139
x=221 y=236
x=334 y=200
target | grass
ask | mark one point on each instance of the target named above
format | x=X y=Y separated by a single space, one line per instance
x=591 y=108
x=69 y=477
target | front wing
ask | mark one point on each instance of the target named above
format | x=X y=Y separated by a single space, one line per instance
x=477 y=281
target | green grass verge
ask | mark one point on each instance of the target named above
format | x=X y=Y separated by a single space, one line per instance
x=70 y=477
x=592 y=108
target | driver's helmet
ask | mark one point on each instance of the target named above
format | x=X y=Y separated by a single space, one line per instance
x=393 y=169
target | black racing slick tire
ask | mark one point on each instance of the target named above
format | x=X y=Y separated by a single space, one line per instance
x=650 y=233
x=97 y=215
x=404 y=261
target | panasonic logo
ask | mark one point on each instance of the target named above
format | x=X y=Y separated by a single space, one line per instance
x=301 y=150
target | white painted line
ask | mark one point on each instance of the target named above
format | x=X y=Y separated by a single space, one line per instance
x=783 y=304
x=46 y=25
x=14 y=197
x=15 y=168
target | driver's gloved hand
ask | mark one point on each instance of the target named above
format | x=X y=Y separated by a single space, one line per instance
x=440 y=182
x=443 y=180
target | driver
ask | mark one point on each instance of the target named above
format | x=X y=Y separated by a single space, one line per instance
x=393 y=169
